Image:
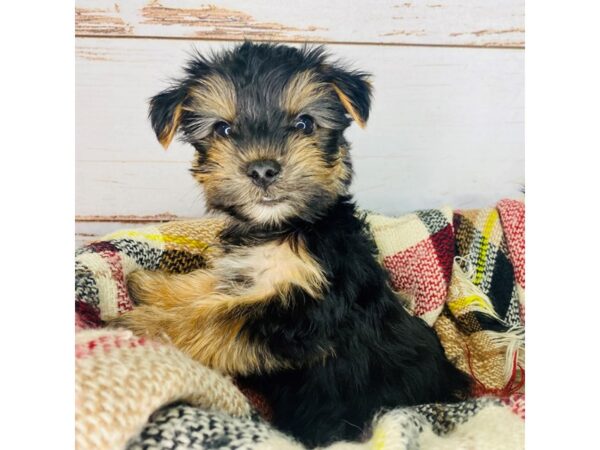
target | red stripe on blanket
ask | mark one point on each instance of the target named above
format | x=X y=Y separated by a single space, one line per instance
x=113 y=257
x=512 y=215
x=417 y=271
x=86 y=315
x=107 y=343
x=443 y=242
x=79 y=323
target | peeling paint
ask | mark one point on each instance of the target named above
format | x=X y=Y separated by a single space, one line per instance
x=100 y=21
x=398 y=22
x=405 y=33
x=516 y=44
x=407 y=18
x=221 y=23
x=488 y=32
x=91 y=54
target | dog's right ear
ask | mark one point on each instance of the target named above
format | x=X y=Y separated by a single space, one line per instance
x=165 y=113
x=166 y=108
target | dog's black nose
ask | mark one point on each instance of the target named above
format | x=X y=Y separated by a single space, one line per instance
x=263 y=172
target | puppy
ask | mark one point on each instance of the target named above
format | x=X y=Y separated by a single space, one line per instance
x=296 y=305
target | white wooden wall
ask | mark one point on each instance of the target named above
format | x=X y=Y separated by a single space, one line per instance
x=446 y=126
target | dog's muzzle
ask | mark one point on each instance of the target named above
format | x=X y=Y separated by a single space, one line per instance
x=263 y=172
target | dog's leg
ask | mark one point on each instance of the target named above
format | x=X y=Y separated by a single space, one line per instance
x=189 y=311
x=169 y=290
x=159 y=297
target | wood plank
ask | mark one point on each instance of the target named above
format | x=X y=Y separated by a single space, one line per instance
x=136 y=188
x=446 y=128
x=156 y=218
x=495 y=23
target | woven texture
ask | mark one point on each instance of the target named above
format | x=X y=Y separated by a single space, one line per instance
x=461 y=271
x=121 y=378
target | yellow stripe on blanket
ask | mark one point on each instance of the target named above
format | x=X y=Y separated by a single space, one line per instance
x=485 y=243
x=469 y=303
x=158 y=237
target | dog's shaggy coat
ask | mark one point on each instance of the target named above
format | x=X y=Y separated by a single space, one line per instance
x=296 y=306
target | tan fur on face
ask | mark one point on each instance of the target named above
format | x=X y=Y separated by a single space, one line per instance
x=224 y=179
x=301 y=91
x=341 y=170
x=221 y=163
x=304 y=89
x=213 y=96
x=307 y=173
x=307 y=160
x=203 y=312
x=304 y=169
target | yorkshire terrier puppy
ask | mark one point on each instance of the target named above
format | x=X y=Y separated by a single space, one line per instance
x=296 y=306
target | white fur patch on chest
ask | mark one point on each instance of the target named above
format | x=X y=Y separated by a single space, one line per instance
x=269 y=269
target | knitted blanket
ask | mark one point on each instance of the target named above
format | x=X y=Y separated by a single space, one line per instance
x=463 y=272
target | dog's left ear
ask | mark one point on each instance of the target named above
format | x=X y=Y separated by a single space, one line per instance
x=354 y=90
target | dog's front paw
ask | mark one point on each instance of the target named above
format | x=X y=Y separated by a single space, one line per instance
x=125 y=320
x=143 y=320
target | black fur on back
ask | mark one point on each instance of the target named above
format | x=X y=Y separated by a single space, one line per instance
x=383 y=357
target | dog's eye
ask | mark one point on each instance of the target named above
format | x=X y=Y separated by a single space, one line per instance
x=305 y=123
x=223 y=129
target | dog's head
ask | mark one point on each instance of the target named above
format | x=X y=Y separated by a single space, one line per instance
x=267 y=122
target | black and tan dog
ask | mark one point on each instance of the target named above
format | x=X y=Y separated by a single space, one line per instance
x=297 y=306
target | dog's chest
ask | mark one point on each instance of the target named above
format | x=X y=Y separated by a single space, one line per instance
x=268 y=268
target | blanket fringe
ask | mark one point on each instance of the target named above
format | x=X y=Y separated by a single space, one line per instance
x=513 y=340
x=465 y=296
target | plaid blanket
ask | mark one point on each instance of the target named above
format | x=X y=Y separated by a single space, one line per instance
x=461 y=271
